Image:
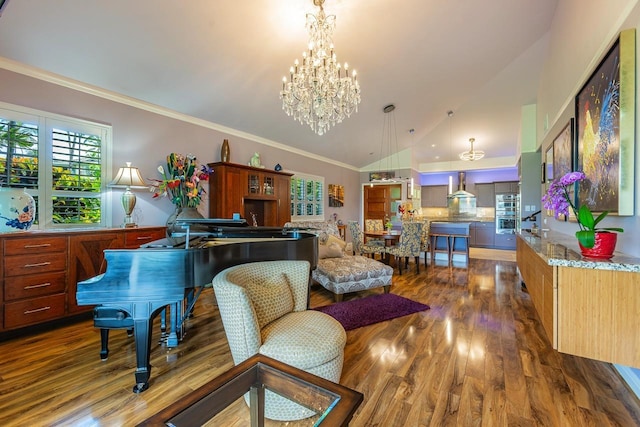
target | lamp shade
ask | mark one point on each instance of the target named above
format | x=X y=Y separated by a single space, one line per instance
x=128 y=176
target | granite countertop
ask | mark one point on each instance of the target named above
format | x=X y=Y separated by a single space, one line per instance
x=562 y=250
x=472 y=219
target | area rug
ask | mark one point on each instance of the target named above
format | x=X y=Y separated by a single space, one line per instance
x=369 y=310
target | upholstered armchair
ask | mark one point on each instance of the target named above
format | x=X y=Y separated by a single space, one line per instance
x=263 y=306
x=424 y=240
x=408 y=246
x=359 y=245
x=374 y=225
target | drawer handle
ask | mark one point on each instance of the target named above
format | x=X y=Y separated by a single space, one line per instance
x=37 y=310
x=42 y=245
x=143 y=238
x=38 y=264
x=41 y=285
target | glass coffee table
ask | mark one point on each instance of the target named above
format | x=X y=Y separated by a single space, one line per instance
x=333 y=404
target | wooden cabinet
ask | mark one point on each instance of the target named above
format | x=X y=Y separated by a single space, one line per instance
x=506 y=187
x=40 y=270
x=538 y=278
x=249 y=192
x=485 y=195
x=34 y=276
x=434 y=196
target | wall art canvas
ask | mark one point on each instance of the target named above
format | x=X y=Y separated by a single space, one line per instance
x=605 y=122
x=563 y=152
x=336 y=195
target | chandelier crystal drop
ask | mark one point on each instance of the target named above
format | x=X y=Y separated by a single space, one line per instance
x=320 y=91
x=471 y=155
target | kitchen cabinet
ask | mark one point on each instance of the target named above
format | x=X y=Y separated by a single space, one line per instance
x=40 y=270
x=505 y=241
x=434 y=196
x=250 y=192
x=483 y=234
x=485 y=195
x=506 y=187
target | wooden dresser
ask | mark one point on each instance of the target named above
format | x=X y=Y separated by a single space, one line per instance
x=40 y=270
x=246 y=190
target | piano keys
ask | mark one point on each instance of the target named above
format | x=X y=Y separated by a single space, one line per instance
x=139 y=283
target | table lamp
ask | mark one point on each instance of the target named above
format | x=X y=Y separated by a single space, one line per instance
x=128 y=177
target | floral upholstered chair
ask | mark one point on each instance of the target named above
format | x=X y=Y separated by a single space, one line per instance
x=424 y=240
x=263 y=306
x=374 y=225
x=359 y=245
x=408 y=246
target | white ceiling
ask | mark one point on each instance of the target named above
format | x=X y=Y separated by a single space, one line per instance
x=223 y=61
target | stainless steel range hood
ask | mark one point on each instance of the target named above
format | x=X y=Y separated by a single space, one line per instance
x=461 y=203
x=461 y=193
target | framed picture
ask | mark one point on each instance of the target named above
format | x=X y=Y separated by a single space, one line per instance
x=605 y=123
x=548 y=163
x=336 y=196
x=381 y=175
x=563 y=152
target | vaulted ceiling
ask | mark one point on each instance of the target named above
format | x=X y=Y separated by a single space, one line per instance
x=223 y=62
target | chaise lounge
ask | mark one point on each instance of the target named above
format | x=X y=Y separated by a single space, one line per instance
x=337 y=270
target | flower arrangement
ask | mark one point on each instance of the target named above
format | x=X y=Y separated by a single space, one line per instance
x=182 y=181
x=557 y=199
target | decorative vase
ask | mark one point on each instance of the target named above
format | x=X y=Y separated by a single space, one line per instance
x=225 y=151
x=177 y=215
x=17 y=210
x=604 y=246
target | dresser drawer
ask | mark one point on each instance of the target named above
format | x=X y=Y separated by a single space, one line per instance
x=32 y=264
x=34 y=245
x=34 y=285
x=36 y=310
x=134 y=239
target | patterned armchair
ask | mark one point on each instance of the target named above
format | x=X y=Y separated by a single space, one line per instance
x=359 y=245
x=263 y=306
x=424 y=240
x=374 y=225
x=408 y=246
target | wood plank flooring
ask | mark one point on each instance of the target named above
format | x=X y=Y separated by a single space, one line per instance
x=478 y=357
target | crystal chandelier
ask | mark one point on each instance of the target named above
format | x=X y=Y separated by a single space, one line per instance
x=471 y=155
x=320 y=92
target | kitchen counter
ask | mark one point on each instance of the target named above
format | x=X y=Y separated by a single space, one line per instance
x=562 y=250
x=472 y=219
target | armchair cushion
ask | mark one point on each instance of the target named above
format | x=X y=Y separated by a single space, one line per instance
x=271 y=298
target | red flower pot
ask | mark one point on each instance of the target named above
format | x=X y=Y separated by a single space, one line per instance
x=604 y=246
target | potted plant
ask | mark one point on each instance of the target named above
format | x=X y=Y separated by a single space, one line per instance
x=594 y=241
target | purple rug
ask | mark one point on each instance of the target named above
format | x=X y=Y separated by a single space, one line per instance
x=369 y=310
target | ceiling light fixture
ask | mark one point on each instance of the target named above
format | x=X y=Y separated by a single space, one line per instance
x=471 y=155
x=319 y=93
x=389 y=148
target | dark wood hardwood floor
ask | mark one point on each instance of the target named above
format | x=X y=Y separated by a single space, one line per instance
x=478 y=357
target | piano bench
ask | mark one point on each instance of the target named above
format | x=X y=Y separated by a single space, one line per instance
x=352 y=273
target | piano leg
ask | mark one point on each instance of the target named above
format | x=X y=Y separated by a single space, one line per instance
x=142 y=329
x=104 y=344
x=175 y=335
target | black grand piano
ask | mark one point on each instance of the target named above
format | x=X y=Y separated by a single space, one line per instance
x=140 y=283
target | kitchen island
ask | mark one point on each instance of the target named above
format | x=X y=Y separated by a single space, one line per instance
x=587 y=307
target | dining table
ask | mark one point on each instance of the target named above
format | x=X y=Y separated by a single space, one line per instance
x=390 y=237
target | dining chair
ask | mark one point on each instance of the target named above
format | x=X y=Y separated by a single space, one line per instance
x=361 y=247
x=424 y=239
x=374 y=225
x=408 y=245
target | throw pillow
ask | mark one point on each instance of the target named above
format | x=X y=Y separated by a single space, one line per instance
x=332 y=250
x=333 y=239
x=271 y=298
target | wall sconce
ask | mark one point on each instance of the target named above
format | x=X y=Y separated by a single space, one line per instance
x=128 y=177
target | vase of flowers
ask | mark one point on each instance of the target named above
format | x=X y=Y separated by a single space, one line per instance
x=183 y=183
x=595 y=242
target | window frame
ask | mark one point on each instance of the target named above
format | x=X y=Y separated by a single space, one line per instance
x=46 y=122
x=320 y=201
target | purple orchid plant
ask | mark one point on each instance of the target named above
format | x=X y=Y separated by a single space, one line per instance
x=557 y=199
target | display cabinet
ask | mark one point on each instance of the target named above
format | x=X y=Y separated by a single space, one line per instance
x=249 y=192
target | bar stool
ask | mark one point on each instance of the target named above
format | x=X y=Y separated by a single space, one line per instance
x=443 y=249
x=459 y=245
